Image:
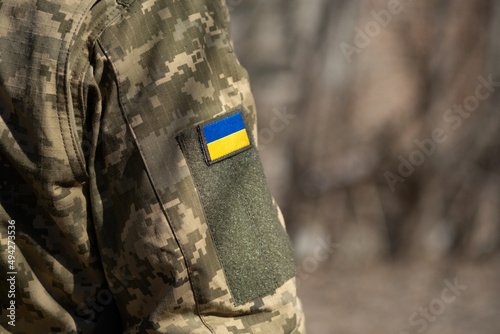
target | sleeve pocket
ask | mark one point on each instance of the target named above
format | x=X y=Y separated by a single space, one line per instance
x=252 y=246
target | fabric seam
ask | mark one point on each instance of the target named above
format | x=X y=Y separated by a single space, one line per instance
x=136 y=142
x=104 y=23
x=65 y=91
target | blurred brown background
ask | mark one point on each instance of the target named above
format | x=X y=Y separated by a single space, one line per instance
x=380 y=135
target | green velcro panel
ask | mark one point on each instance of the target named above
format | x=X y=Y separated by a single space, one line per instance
x=253 y=247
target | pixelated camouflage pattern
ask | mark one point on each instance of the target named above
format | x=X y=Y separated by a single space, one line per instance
x=110 y=232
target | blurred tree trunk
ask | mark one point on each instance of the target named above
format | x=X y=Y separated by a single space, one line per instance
x=358 y=117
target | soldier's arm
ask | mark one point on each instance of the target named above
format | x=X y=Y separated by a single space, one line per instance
x=182 y=231
x=180 y=185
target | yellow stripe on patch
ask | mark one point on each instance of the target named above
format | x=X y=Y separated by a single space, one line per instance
x=228 y=144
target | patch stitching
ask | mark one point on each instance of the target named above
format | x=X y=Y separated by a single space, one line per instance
x=204 y=144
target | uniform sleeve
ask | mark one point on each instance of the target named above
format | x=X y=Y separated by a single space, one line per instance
x=189 y=236
x=132 y=196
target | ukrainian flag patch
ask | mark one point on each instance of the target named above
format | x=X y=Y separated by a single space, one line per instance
x=224 y=137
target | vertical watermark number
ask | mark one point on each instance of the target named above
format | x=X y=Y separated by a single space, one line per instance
x=11 y=273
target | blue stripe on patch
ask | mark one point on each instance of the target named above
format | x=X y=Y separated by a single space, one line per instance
x=223 y=128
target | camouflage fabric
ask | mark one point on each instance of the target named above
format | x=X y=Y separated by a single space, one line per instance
x=110 y=232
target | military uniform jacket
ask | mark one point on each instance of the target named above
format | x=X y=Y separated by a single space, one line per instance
x=132 y=197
